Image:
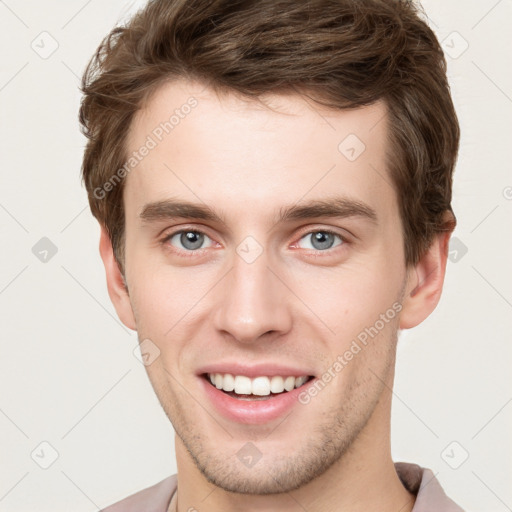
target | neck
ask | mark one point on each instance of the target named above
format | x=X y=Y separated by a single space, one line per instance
x=363 y=479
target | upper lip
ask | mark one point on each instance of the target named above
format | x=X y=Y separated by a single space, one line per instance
x=255 y=370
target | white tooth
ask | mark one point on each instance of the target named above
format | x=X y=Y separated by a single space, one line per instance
x=276 y=384
x=212 y=378
x=289 y=383
x=243 y=385
x=228 y=383
x=300 y=380
x=261 y=386
x=218 y=380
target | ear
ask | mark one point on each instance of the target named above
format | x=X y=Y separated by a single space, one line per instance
x=117 y=289
x=425 y=281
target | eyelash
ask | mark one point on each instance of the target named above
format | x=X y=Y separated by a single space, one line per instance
x=317 y=252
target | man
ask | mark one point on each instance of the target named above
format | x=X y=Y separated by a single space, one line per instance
x=273 y=182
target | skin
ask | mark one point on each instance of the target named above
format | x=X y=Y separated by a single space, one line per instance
x=295 y=304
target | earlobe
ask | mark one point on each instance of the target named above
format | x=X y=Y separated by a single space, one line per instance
x=425 y=283
x=116 y=286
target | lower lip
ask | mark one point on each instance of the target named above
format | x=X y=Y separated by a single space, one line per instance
x=255 y=412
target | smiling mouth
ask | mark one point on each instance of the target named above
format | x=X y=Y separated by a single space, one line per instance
x=258 y=388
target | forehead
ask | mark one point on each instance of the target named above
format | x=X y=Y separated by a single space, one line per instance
x=240 y=154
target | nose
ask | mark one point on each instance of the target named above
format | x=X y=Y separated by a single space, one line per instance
x=252 y=302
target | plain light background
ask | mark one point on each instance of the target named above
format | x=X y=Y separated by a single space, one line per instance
x=75 y=399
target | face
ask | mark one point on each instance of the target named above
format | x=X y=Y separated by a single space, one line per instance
x=263 y=247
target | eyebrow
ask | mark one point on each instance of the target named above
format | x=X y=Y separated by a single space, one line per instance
x=337 y=207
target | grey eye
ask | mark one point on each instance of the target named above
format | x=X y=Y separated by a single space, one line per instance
x=321 y=240
x=189 y=240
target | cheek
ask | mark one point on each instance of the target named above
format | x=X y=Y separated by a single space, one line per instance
x=153 y=300
x=360 y=362
x=349 y=298
x=167 y=300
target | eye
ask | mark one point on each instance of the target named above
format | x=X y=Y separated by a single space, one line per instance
x=190 y=240
x=321 y=240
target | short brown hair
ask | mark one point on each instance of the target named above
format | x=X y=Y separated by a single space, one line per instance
x=341 y=53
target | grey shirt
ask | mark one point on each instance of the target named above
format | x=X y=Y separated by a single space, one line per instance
x=430 y=496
